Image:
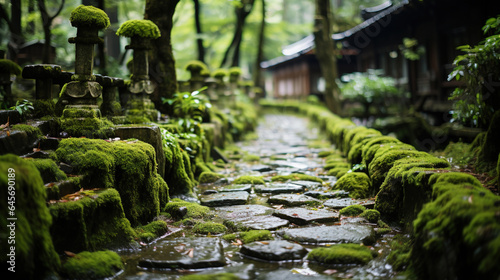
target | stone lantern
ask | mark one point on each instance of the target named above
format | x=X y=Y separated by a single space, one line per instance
x=141 y=32
x=199 y=71
x=8 y=68
x=81 y=115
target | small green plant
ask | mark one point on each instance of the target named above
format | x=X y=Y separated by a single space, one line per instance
x=479 y=67
x=23 y=107
x=189 y=109
x=411 y=49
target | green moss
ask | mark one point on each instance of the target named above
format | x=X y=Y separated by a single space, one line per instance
x=151 y=231
x=324 y=154
x=42 y=108
x=255 y=235
x=209 y=177
x=371 y=152
x=139 y=27
x=48 y=170
x=461 y=220
x=371 y=215
x=498 y=171
x=399 y=257
x=342 y=254
x=331 y=165
x=230 y=237
x=209 y=228
x=9 y=66
x=352 y=210
x=458 y=153
x=177 y=178
x=130 y=167
x=356 y=183
x=196 y=65
x=216 y=276
x=35 y=256
x=296 y=177
x=338 y=172
x=86 y=122
x=89 y=16
x=194 y=210
x=31 y=131
x=219 y=73
x=93 y=222
x=251 y=158
x=235 y=71
x=92 y=265
x=245 y=180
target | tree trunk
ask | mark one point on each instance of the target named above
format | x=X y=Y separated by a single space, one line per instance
x=232 y=53
x=47 y=24
x=161 y=57
x=325 y=52
x=257 y=76
x=16 y=37
x=199 y=32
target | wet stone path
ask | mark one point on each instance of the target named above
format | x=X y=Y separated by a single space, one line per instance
x=301 y=216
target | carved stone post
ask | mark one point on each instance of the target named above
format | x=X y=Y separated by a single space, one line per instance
x=8 y=68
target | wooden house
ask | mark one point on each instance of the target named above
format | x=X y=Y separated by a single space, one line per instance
x=435 y=27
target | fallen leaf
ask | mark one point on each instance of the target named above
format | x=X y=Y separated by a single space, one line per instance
x=470 y=199
x=237 y=242
x=264 y=242
x=190 y=253
x=330 y=271
x=289 y=247
x=69 y=254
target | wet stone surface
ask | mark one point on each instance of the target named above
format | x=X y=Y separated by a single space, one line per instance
x=293 y=200
x=339 y=203
x=225 y=198
x=236 y=188
x=347 y=233
x=274 y=250
x=303 y=216
x=278 y=188
x=310 y=185
x=327 y=194
x=251 y=216
x=184 y=253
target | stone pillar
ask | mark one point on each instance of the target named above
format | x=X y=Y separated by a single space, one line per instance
x=44 y=74
x=8 y=68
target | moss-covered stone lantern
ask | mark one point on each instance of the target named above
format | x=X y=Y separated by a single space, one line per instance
x=223 y=92
x=7 y=69
x=199 y=71
x=140 y=32
x=81 y=115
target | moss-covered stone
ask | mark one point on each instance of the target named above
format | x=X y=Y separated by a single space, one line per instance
x=356 y=183
x=87 y=122
x=215 y=276
x=399 y=257
x=31 y=131
x=462 y=220
x=139 y=27
x=338 y=172
x=92 y=265
x=209 y=228
x=194 y=210
x=253 y=180
x=151 y=231
x=89 y=16
x=249 y=236
x=48 y=170
x=9 y=66
x=352 y=210
x=336 y=164
x=209 y=177
x=371 y=215
x=34 y=254
x=296 y=177
x=196 y=66
x=342 y=254
x=324 y=154
x=93 y=222
x=128 y=166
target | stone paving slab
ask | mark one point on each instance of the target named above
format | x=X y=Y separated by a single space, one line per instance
x=339 y=203
x=184 y=253
x=303 y=216
x=236 y=188
x=293 y=200
x=225 y=198
x=289 y=164
x=278 y=188
x=307 y=184
x=327 y=194
x=261 y=168
x=288 y=274
x=349 y=233
x=274 y=250
x=252 y=216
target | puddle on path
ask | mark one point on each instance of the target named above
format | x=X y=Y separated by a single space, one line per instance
x=283 y=148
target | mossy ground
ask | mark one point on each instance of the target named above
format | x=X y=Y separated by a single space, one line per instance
x=209 y=228
x=245 y=180
x=371 y=215
x=128 y=166
x=151 y=231
x=249 y=236
x=49 y=170
x=92 y=265
x=356 y=183
x=209 y=177
x=296 y=177
x=352 y=210
x=342 y=254
x=35 y=256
